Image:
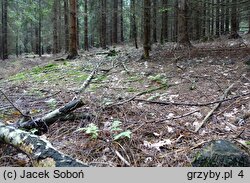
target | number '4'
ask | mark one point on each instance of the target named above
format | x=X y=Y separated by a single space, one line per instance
x=241 y=174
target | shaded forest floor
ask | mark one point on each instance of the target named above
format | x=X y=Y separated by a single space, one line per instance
x=162 y=135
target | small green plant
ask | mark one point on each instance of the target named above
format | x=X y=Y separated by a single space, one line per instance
x=115 y=127
x=247 y=142
x=123 y=134
x=159 y=78
x=91 y=130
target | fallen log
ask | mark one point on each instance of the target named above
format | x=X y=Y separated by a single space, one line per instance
x=41 y=152
x=42 y=124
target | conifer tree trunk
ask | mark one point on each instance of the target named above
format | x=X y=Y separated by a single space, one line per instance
x=147 y=28
x=164 y=28
x=183 y=37
x=122 y=19
x=234 y=24
x=73 y=31
x=4 y=29
x=86 y=41
x=40 y=30
x=55 y=27
x=154 y=25
x=133 y=24
x=222 y=20
x=103 y=24
x=66 y=25
x=217 y=24
x=227 y=15
x=115 y=21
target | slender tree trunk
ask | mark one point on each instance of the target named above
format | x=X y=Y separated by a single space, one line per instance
x=222 y=20
x=77 y=25
x=176 y=21
x=55 y=27
x=213 y=18
x=217 y=18
x=115 y=21
x=122 y=26
x=154 y=25
x=164 y=28
x=40 y=30
x=204 y=20
x=103 y=23
x=227 y=15
x=59 y=26
x=234 y=23
x=86 y=41
x=5 y=29
x=147 y=28
x=73 y=31
x=133 y=24
x=183 y=37
x=66 y=25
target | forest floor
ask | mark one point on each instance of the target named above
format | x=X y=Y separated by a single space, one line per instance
x=162 y=134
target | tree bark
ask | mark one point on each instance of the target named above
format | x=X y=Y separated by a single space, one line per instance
x=164 y=28
x=133 y=24
x=86 y=39
x=115 y=21
x=122 y=23
x=42 y=124
x=73 y=31
x=217 y=24
x=4 y=29
x=66 y=25
x=147 y=28
x=234 y=24
x=227 y=17
x=55 y=27
x=154 y=25
x=41 y=152
x=103 y=24
x=183 y=37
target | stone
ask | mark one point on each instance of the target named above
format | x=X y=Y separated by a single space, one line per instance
x=221 y=153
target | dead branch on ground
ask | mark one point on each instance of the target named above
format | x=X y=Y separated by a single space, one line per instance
x=41 y=152
x=214 y=108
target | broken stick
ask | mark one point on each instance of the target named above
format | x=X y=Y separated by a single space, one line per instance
x=214 y=108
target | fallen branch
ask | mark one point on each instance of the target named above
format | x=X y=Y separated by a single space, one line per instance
x=90 y=77
x=138 y=94
x=214 y=108
x=165 y=119
x=24 y=115
x=193 y=104
x=41 y=152
x=42 y=124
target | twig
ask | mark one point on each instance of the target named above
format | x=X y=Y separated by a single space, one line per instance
x=122 y=158
x=162 y=120
x=138 y=94
x=24 y=115
x=193 y=104
x=177 y=117
x=125 y=68
x=214 y=108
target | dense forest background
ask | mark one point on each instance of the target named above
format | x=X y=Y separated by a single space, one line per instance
x=42 y=27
